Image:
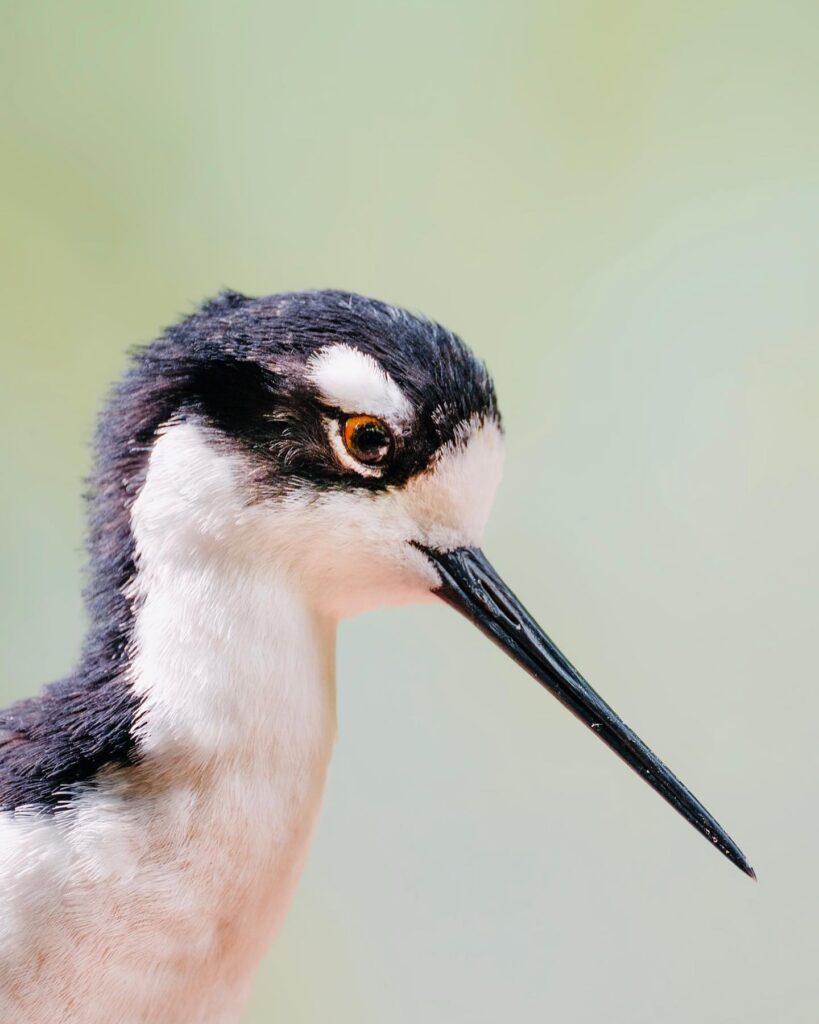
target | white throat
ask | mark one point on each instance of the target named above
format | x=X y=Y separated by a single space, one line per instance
x=228 y=658
x=237 y=679
x=187 y=862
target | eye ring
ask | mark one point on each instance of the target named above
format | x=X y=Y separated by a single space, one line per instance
x=368 y=440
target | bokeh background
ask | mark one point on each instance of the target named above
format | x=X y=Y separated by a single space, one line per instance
x=617 y=204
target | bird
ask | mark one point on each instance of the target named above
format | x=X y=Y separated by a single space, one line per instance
x=264 y=469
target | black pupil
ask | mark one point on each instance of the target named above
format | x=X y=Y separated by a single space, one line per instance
x=371 y=441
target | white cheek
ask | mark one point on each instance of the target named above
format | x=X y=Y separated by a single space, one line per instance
x=191 y=496
x=351 y=551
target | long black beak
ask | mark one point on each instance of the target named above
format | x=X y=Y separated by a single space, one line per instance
x=470 y=584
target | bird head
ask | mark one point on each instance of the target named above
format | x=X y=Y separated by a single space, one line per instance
x=329 y=437
x=353 y=448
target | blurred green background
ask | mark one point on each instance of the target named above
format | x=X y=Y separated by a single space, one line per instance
x=617 y=205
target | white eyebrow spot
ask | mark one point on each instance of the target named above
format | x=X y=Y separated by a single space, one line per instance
x=354 y=382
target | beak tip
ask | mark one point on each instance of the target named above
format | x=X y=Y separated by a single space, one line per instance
x=738 y=858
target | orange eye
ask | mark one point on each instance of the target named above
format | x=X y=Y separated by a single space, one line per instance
x=368 y=440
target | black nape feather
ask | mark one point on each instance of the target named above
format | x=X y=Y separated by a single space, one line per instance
x=226 y=299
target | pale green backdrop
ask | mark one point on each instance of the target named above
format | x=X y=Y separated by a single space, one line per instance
x=617 y=204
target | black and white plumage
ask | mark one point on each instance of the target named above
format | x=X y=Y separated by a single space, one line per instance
x=239 y=368
x=264 y=469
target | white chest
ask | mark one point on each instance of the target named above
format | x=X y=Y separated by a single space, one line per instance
x=151 y=899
